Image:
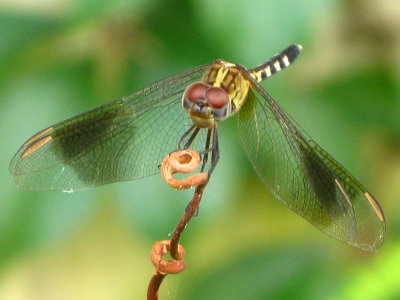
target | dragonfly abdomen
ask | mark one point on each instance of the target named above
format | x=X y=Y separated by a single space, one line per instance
x=276 y=63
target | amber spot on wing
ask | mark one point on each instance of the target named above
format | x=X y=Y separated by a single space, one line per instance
x=38 y=135
x=375 y=206
x=35 y=146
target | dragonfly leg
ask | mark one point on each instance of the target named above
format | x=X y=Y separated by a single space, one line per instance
x=188 y=132
x=206 y=150
x=192 y=137
x=215 y=150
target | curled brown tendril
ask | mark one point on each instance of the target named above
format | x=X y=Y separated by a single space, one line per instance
x=182 y=161
x=171 y=266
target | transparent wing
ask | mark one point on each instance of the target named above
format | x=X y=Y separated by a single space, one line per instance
x=306 y=178
x=123 y=140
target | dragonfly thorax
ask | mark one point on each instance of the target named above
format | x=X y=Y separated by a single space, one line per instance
x=206 y=104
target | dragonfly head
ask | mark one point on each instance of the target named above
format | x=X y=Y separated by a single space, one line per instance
x=206 y=104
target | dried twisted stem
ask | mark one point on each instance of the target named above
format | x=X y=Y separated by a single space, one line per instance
x=181 y=161
x=154 y=285
x=190 y=211
x=172 y=266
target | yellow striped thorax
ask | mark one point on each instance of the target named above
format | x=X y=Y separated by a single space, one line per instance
x=229 y=77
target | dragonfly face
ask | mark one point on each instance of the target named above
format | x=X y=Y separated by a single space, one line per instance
x=128 y=138
x=206 y=104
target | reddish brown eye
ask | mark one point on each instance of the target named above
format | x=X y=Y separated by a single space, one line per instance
x=195 y=91
x=217 y=97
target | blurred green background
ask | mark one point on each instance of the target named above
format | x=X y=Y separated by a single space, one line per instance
x=59 y=58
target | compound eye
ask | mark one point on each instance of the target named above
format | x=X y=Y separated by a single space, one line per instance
x=195 y=91
x=217 y=97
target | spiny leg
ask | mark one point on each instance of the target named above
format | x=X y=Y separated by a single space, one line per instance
x=192 y=137
x=215 y=150
x=206 y=149
x=188 y=132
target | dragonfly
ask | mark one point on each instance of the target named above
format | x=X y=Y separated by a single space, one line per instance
x=126 y=139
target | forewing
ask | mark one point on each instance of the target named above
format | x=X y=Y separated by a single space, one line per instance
x=306 y=178
x=123 y=140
